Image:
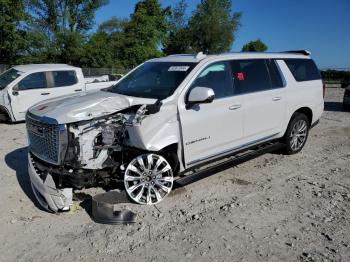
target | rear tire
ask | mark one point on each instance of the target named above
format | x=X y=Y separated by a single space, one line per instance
x=296 y=134
x=346 y=107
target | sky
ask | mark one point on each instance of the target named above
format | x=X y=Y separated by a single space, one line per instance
x=320 y=26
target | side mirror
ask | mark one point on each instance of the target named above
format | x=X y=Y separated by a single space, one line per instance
x=15 y=90
x=200 y=95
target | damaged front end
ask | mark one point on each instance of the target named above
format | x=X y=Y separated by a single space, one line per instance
x=79 y=155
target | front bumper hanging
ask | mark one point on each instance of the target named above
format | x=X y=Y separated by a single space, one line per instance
x=45 y=191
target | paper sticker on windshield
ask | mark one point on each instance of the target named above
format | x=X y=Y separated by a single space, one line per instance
x=179 y=68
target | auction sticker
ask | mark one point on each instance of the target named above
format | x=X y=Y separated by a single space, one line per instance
x=179 y=68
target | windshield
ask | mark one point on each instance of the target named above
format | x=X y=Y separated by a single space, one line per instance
x=7 y=77
x=156 y=80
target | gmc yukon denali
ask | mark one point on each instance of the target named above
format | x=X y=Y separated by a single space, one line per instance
x=166 y=118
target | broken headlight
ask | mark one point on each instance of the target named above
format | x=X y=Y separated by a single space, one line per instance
x=109 y=135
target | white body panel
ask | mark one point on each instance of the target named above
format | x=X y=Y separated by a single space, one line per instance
x=211 y=128
x=17 y=102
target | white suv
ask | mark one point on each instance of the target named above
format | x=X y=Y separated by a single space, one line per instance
x=168 y=116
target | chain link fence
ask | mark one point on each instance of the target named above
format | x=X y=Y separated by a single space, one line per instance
x=88 y=71
x=104 y=71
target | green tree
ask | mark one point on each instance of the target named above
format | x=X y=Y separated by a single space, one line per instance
x=145 y=32
x=64 y=24
x=12 y=33
x=178 y=40
x=255 y=46
x=104 y=48
x=213 y=25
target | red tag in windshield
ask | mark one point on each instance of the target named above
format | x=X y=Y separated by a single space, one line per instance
x=240 y=76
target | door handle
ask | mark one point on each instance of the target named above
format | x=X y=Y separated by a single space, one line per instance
x=277 y=98
x=45 y=94
x=234 y=107
x=15 y=93
x=78 y=90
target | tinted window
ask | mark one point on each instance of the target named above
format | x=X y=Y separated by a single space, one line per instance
x=250 y=76
x=217 y=77
x=153 y=80
x=275 y=75
x=303 y=69
x=33 y=81
x=7 y=77
x=64 y=78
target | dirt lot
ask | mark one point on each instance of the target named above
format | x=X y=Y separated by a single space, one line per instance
x=272 y=208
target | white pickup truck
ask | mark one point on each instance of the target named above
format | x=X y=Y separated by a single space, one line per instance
x=23 y=86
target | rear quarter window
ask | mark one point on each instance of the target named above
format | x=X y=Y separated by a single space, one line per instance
x=303 y=69
x=64 y=78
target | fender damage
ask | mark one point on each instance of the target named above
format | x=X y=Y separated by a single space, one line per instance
x=98 y=144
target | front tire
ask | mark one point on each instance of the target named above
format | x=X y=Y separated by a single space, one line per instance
x=296 y=134
x=148 y=179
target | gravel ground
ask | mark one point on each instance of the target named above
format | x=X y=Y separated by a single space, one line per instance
x=272 y=208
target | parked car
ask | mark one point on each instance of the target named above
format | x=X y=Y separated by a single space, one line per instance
x=346 y=99
x=25 y=85
x=169 y=116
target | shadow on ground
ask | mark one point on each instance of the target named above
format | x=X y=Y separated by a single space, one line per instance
x=333 y=106
x=18 y=161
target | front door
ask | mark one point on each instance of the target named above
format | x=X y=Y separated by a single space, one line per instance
x=30 y=90
x=210 y=130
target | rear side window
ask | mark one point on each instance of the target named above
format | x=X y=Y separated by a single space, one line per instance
x=64 y=78
x=275 y=75
x=33 y=81
x=303 y=69
x=250 y=76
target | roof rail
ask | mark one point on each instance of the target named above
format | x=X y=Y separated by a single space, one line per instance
x=200 y=55
x=303 y=52
x=181 y=55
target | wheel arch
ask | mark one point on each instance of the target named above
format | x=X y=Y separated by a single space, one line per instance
x=5 y=114
x=306 y=111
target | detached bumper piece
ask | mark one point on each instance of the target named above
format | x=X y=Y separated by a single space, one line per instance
x=45 y=191
x=104 y=209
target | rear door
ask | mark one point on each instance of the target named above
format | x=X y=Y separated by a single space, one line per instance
x=260 y=83
x=64 y=82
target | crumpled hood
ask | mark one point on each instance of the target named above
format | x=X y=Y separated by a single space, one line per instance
x=85 y=106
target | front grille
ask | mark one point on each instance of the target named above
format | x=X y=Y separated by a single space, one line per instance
x=45 y=140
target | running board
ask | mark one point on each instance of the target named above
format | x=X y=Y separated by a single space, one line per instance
x=212 y=170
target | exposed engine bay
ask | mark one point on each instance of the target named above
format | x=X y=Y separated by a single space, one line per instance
x=96 y=150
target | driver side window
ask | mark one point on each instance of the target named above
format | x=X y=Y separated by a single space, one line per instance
x=216 y=76
x=33 y=81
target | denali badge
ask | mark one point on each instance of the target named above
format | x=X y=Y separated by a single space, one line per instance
x=197 y=140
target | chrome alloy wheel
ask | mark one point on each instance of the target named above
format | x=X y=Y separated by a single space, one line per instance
x=148 y=179
x=298 y=135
